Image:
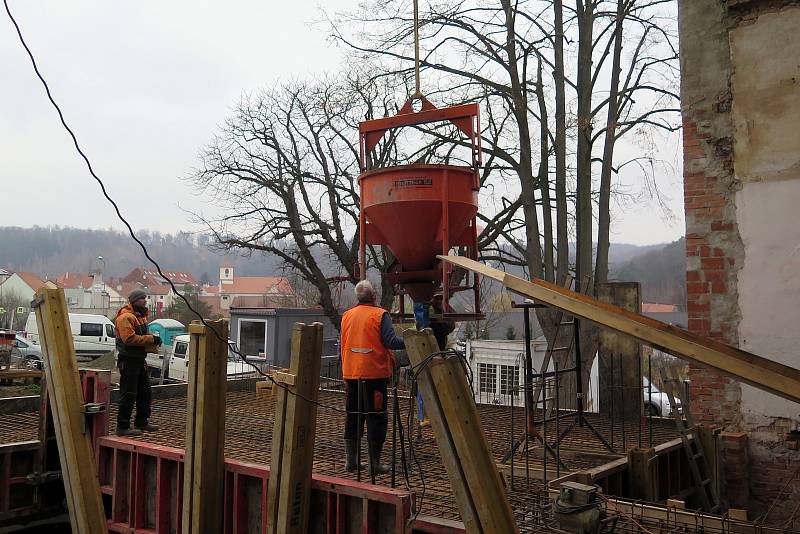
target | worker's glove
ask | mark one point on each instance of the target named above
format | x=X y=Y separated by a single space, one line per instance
x=157 y=340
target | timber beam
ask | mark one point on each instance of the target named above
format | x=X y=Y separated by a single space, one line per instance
x=749 y=368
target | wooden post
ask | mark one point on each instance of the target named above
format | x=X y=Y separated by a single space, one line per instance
x=64 y=391
x=626 y=375
x=204 y=463
x=477 y=486
x=643 y=475
x=708 y=438
x=293 y=434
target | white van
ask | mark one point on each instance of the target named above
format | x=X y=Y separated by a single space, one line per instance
x=93 y=335
x=179 y=362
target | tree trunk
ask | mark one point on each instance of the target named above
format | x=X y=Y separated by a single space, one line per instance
x=560 y=146
x=583 y=208
x=528 y=190
x=604 y=214
x=544 y=176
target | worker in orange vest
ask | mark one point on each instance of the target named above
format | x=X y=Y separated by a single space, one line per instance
x=367 y=342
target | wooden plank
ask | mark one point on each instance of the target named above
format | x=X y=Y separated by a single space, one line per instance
x=737 y=514
x=691 y=520
x=476 y=482
x=752 y=369
x=642 y=474
x=708 y=438
x=293 y=435
x=64 y=391
x=675 y=503
x=204 y=464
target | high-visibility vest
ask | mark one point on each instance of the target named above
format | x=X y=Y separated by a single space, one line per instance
x=363 y=354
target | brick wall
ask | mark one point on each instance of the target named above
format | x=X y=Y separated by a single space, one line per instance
x=714 y=249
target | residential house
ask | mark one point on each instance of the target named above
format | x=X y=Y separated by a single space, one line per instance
x=252 y=291
x=89 y=293
x=23 y=285
x=159 y=296
x=668 y=313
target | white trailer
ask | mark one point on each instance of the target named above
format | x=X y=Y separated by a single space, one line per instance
x=497 y=366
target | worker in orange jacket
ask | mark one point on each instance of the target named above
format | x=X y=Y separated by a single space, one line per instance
x=368 y=338
x=134 y=342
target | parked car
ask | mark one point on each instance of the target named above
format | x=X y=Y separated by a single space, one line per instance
x=93 y=335
x=179 y=362
x=656 y=402
x=27 y=351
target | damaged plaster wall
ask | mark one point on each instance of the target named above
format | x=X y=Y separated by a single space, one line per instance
x=766 y=117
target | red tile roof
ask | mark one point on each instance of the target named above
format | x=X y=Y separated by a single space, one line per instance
x=258 y=285
x=649 y=307
x=31 y=279
x=70 y=280
x=158 y=289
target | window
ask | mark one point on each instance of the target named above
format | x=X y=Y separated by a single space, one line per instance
x=226 y=272
x=252 y=336
x=110 y=331
x=487 y=378
x=180 y=349
x=20 y=344
x=92 y=329
x=509 y=379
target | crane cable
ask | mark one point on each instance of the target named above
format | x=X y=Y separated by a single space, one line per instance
x=417 y=92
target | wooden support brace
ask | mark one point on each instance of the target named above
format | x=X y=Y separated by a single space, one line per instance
x=204 y=464
x=476 y=482
x=752 y=369
x=287 y=379
x=293 y=434
x=64 y=391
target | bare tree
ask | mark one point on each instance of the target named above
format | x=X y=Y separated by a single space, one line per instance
x=512 y=57
x=284 y=167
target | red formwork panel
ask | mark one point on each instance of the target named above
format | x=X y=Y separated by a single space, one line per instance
x=17 y=493
x=142 y=491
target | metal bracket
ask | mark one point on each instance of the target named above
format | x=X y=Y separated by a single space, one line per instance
x=36 y=479
x=91 y=409
x=37 y=301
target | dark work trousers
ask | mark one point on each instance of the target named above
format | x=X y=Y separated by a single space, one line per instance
x=374 y=401
x=134 y=388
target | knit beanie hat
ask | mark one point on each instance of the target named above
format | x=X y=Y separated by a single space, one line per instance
x=135 y=295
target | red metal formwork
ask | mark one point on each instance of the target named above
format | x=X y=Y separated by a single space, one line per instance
x=142 y=491
x=17 y=493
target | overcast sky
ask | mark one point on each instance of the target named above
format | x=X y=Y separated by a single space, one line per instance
x=144 y=85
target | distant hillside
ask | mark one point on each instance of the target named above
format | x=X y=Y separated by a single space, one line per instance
x=661 y=271
x=54 y=250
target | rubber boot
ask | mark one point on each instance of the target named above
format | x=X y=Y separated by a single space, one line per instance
x=375 y=465
x=350 y=449
x=147 y=427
